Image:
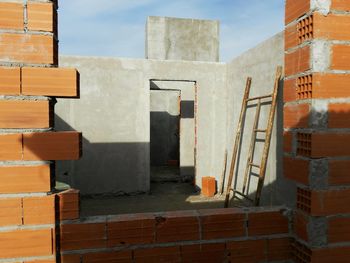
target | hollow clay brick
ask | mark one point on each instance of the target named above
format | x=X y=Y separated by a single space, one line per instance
x=11 y=16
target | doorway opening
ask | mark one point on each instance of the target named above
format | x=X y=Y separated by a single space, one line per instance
x=173 y=135
x=165 y=113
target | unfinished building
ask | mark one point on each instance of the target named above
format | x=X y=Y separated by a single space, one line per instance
x=139 y=139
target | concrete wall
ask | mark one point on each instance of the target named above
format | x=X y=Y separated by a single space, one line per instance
x=182 y=39
x=259 y=63
x=114 y=114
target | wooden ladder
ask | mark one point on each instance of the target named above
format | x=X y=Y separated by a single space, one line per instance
x=249 y=165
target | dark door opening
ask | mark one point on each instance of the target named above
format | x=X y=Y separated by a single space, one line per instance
x=164 y=134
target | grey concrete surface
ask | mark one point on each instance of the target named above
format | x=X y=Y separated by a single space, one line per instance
x=114 y=115
x=259 y=63
x=170 y=38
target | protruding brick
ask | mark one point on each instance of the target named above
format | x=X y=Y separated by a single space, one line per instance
x=26 y=48
x=26 y=243
x=10 y=212
x=10 y=147
x=25 y=179
x=58 y=82
x=11 y=16
x=296 y=170
x=10 y=81
x=208 y=186
x=41 y=16
x=52 y=146
x=39 y=210
x=69 y=204
x=25 y=114
x=296 y=116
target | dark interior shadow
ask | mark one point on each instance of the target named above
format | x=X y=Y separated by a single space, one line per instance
x=165 y=138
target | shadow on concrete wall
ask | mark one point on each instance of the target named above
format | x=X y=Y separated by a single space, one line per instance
x=106 y=167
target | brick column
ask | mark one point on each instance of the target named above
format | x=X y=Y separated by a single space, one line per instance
x=29 y=81
x=316 y=126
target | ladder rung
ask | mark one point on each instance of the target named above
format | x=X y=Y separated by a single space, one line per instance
x=255 y=165
x=257 y=130
x=259 y=98
x=255 y=174
x=243 y=195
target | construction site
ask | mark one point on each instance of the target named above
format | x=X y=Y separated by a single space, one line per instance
x=177 y=156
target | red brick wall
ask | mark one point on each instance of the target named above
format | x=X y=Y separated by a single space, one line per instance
x=214 y=235
x=316 y=126
x=29 y=78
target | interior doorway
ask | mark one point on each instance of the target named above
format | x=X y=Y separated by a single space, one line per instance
x=172 y=131
x=165 y=134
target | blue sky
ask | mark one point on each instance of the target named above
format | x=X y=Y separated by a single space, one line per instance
x=116 y=27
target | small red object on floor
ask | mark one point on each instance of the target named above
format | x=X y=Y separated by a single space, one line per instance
x=208 y=186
